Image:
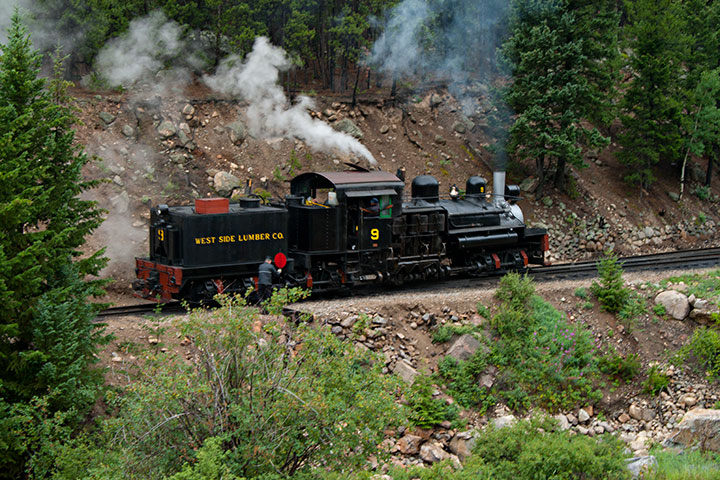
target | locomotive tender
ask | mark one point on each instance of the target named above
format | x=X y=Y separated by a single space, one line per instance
x=364 y=233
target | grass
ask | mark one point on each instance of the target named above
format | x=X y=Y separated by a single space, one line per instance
x=687 y=465
x=702 y=286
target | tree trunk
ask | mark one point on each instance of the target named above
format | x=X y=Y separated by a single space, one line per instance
x=357 y=80
x=540 y=172
x=560 y=175
x=393 y=90
x=708 y=175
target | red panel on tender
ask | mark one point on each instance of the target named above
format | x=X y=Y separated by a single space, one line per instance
x=157 y=280
x=212 y=205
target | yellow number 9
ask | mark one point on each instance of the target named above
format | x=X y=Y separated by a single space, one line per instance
x=374 y=234
x=161 y=235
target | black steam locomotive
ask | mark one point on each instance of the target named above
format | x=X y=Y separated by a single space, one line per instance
x=360 y=232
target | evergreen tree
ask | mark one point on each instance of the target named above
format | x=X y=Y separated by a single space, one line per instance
x=652 y=106
x=552 y=91
x=47 y=336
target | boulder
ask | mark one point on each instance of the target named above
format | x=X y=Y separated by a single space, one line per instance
x=384 y=129
x=464 y=347
x=699 y=428
x=237 y=132
x=107 y=117
x=459 y=127
x=641 y=413
x=504 y=421
x=348 y=126
x=405 y=371
x=704 y=312
x=676 y=304
x=530 y=184
x=409 y=444
x=641 y=465
x=432 y=452
x=128 y=131
x=120 y=202
x=225 y=182
x=562 y=421
x=462 y=445
x=167 y=129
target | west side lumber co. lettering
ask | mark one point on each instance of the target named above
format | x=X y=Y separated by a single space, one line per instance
x=247 y=237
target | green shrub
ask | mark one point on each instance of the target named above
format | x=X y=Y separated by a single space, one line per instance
x=687 y=465
x=533 y=450
x=543 y=360
x=425 y=410
x=611 y=291
x=619 y=366
x=483 y=311
x=704 y=348
x=279 y=400
x=703 y=192
x=634 y=307
x=581 y=292
x=461 y=380
x=445 y=332
x=659 y=310
x=656 y=381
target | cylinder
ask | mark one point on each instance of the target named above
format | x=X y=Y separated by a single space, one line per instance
x=498 y=187
x=425 y=187
x=488 y=240
x=475 y=187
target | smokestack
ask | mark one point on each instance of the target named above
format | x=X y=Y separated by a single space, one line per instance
x=498 y=187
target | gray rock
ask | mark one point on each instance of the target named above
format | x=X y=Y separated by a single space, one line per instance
x=674 y=196
x=432 y=452
x=459 y=127
x=218 y=130
x=562 y=421
x=699 y=428
x=166 y=129
x=435 y=100
x=641 y=465
x=118 y=181
x=504 y=421
x=704 y=311
x=348 y=126
x=405 y=371
x=462 y=445
x=530 y=184
x=649 y=232
x=440 y=140
x=547 y=201
x=237 y=132
x=676 y=304
x=106 y=117
x=583 y=416
x=464 y=347
x=128 y=131
x=336 y=329
x=641 y=413
x=349 y=321
x=409 y=444
x=188 y=109
x=120 y=202
x=224 y=183
x=384 y=129
x=183 y=137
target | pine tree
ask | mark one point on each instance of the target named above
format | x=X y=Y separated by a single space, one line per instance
x=47 y=335
x=555 y=85
x=652 y=106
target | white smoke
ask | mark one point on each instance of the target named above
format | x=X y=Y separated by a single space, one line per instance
x=41 y=19
x=455 y=40
x=270 y=113
x=150 y=43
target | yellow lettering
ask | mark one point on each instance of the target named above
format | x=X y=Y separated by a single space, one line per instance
x=274 y=235
x=161 y=235
x=280 y=236
x=374 y=234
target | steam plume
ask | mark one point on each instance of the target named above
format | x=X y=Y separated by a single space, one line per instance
x=270 y=113
x=150 y=43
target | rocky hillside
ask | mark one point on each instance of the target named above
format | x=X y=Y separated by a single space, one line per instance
x=181 y=145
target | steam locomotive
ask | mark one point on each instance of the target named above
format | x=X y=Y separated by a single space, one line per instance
x=360 y=232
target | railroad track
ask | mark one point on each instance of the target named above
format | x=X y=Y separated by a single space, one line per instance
x=703 y=258
x=142 y=309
